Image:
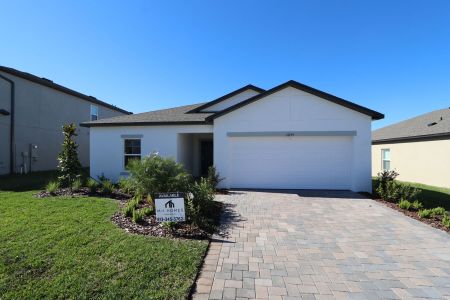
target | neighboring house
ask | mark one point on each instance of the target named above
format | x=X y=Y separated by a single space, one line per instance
x=32 y=113
x=418 y=149
x=289 y=137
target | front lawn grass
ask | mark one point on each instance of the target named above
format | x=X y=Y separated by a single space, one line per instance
x=65 y=247
x=430 y=196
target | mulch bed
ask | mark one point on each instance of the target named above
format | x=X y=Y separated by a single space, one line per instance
x=150 y=227
x=84 y=192
x=436 y=221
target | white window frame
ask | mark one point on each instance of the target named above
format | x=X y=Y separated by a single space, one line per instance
x=383 y=160
x=125 y=154
x=94 y=108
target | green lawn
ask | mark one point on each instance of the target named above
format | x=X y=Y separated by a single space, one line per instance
x=430 y=196
x=68 y=248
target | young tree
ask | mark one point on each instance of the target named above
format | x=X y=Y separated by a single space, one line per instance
x=68 y=164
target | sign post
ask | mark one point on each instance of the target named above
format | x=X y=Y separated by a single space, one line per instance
x=170 y=207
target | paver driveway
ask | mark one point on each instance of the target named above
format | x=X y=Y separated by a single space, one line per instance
x=322 y=245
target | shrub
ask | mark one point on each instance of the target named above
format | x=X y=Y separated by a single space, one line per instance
x=77 y=184
x=446 y=220
x=417 y=205
x=126 y=186
x=390 y=190
x=68 y=164
x=92 y=185
x=129 y=208
x=169 y=225
x=438 y=211
x=407 y=192
x=200 y=201
x=154 y=174
x=213 y=177
x=148 y=211
x=138 y=216
x=425 y=213
x=404 y=204
x=385 y=180
x=107 y=187
x=52 y=187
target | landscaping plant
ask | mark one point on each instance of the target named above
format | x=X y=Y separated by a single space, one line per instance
x=129 y=208
x=107 y=186
x=425 y=213
x=52 y=187
x=417 y=205
x=404 y=204
x=200 y=202
x=169 y=225
x=390 y=190
x=213 y=177
x=438 y=211
x=92 y=185
x=446 y=220
x=154 y=174
x=126 y=186
x=77 y=184
x=137 y=216
x=68 y=164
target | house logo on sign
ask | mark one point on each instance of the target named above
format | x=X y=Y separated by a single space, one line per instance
x=170 y=207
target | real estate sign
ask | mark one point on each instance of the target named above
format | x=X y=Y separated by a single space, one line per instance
x=170 y=207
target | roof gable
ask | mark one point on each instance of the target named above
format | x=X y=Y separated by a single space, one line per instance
x=204 y=107
x=375 y=115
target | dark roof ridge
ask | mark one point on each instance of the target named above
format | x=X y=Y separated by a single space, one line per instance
x=227 y=96
x=49 y=83
x=292 y=83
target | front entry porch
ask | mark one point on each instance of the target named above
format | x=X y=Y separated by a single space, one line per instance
x=195 y=152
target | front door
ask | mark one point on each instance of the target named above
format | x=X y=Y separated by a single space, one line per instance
x=206 y=156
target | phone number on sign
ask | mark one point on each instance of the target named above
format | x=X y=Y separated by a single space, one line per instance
x=169 y=219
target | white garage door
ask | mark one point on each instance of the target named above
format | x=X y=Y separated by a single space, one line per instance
x=302 y=162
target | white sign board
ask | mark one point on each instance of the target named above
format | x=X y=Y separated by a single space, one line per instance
x=170 y=207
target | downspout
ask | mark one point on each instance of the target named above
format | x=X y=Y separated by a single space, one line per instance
x=11 y=128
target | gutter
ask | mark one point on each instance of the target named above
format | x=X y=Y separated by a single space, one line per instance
x=11 y=127
x=416 y=138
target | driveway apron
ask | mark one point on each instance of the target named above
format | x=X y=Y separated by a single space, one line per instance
x=321 y=245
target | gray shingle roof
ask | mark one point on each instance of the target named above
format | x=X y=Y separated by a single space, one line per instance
x=190 y=114
x=48 y=83
x=432 y=124
x=176 y=115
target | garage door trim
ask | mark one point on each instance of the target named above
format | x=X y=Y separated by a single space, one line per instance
x=291 y=133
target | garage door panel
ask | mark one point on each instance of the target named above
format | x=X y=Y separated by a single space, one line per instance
x=290 y=162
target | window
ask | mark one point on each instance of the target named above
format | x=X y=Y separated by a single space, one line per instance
x=94 y=112
x=132 y=150
x=386 y=159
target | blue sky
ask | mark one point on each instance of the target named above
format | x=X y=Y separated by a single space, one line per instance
x=391 y=56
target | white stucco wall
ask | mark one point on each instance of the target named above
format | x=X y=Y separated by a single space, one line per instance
x=423 y=161
x=293 y=110
x=40 y=113
x=107 y=149
x=232 y=100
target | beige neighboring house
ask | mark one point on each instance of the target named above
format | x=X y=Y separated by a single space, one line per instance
x=32 y=113
x=418 y=149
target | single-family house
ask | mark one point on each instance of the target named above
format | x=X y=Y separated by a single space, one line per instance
x=291 y=136
x=32 y=113
x=417 y=148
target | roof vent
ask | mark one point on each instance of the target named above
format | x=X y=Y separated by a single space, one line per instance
x=47 y=79
x=432 y=124
x=92 y=97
